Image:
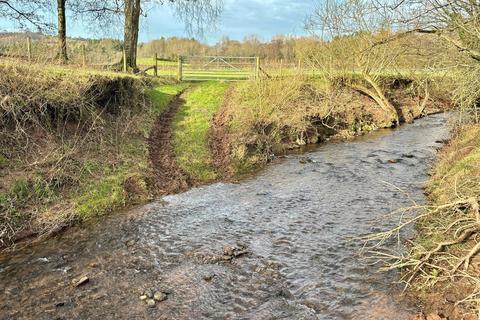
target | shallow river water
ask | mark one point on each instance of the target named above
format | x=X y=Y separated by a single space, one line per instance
x=295 y=219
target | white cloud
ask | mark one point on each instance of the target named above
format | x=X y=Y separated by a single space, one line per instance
x=265 y=18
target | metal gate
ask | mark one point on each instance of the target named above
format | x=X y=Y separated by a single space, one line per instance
x=218 y=68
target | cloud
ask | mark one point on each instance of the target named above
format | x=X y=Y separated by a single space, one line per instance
x=264 y=18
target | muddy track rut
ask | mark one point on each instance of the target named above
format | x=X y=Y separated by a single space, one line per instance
x=168 y=177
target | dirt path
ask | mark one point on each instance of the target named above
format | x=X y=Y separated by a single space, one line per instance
x=168 y=178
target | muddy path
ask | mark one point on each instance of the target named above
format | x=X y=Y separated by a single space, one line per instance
x=275 y=246
x=168 y=178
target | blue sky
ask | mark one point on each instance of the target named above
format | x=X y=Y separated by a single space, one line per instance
x=240 y=18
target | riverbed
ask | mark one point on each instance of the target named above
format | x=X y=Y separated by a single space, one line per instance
x=278 y=245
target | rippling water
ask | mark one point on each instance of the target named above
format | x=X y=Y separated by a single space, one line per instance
x=295 y=218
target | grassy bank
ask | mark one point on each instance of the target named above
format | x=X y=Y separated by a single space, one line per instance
x=72 y=146
x=452 y=222
x=267 y=118
x=191 y=127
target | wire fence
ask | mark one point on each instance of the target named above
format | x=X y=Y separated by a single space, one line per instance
x=107 y=55
x=95 y=54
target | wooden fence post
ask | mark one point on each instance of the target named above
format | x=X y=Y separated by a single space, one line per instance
x=29 y=48
x=257 y=69
x=155 y=70
x=84 y=56
x=124 y=61
x=180 y=69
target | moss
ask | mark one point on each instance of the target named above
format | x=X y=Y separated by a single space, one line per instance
x=191 y=128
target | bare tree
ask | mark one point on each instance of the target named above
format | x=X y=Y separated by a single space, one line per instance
x=197 y=15
x=28 y=14
x=62 y=30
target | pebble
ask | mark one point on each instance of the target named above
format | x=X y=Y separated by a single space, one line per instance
x=209 y=277
x=143 y=298
x=228 y=251
x=151 y=303
x=160 y=296
x=149 y=294
x=80 y=281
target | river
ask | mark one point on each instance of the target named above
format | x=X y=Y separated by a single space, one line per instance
x=290 y=230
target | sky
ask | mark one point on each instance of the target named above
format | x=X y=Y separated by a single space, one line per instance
x=240 y=18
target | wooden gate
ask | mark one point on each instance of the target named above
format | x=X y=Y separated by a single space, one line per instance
x=218 y=68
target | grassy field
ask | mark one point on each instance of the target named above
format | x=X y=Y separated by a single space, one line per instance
x=191 y=127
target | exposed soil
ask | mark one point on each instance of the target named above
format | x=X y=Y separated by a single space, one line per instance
x=441 y=305
x=219 y=140
x=168 y=177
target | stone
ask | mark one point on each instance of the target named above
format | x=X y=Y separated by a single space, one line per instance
x=151 y=303
x=143 y=298
x=240 y=253
x=149 y=294
x=209 y=277
x=159 y=296
x=81 y=281
x=228 y=251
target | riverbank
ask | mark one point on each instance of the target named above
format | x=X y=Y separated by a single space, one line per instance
x=73 y=146
x=101 y=142
x=270 y=246
x=447 y=244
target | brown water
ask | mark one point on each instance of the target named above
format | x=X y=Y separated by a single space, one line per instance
x=295 y=218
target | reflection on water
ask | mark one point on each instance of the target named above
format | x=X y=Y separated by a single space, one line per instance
x=295 y=219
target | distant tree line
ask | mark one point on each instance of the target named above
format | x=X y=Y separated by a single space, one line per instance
x=36 y=14
x=280 y=48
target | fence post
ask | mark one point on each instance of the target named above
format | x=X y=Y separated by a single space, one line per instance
x=257 y=69
x=84 y=56
x=180 y=68
x=124 y=61
x=155 y=70
x=29 y=48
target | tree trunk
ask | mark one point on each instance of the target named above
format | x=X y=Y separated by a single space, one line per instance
x=62 y=31
x=132 y=24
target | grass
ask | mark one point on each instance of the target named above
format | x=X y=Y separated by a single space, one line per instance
x=456 y=177
x=458 y=171
x=191 y=128
x=106 y=192
x=95 y=163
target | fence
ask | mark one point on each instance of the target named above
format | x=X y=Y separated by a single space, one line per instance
x=107 y=54
x=219 y=68
x=92 y=53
